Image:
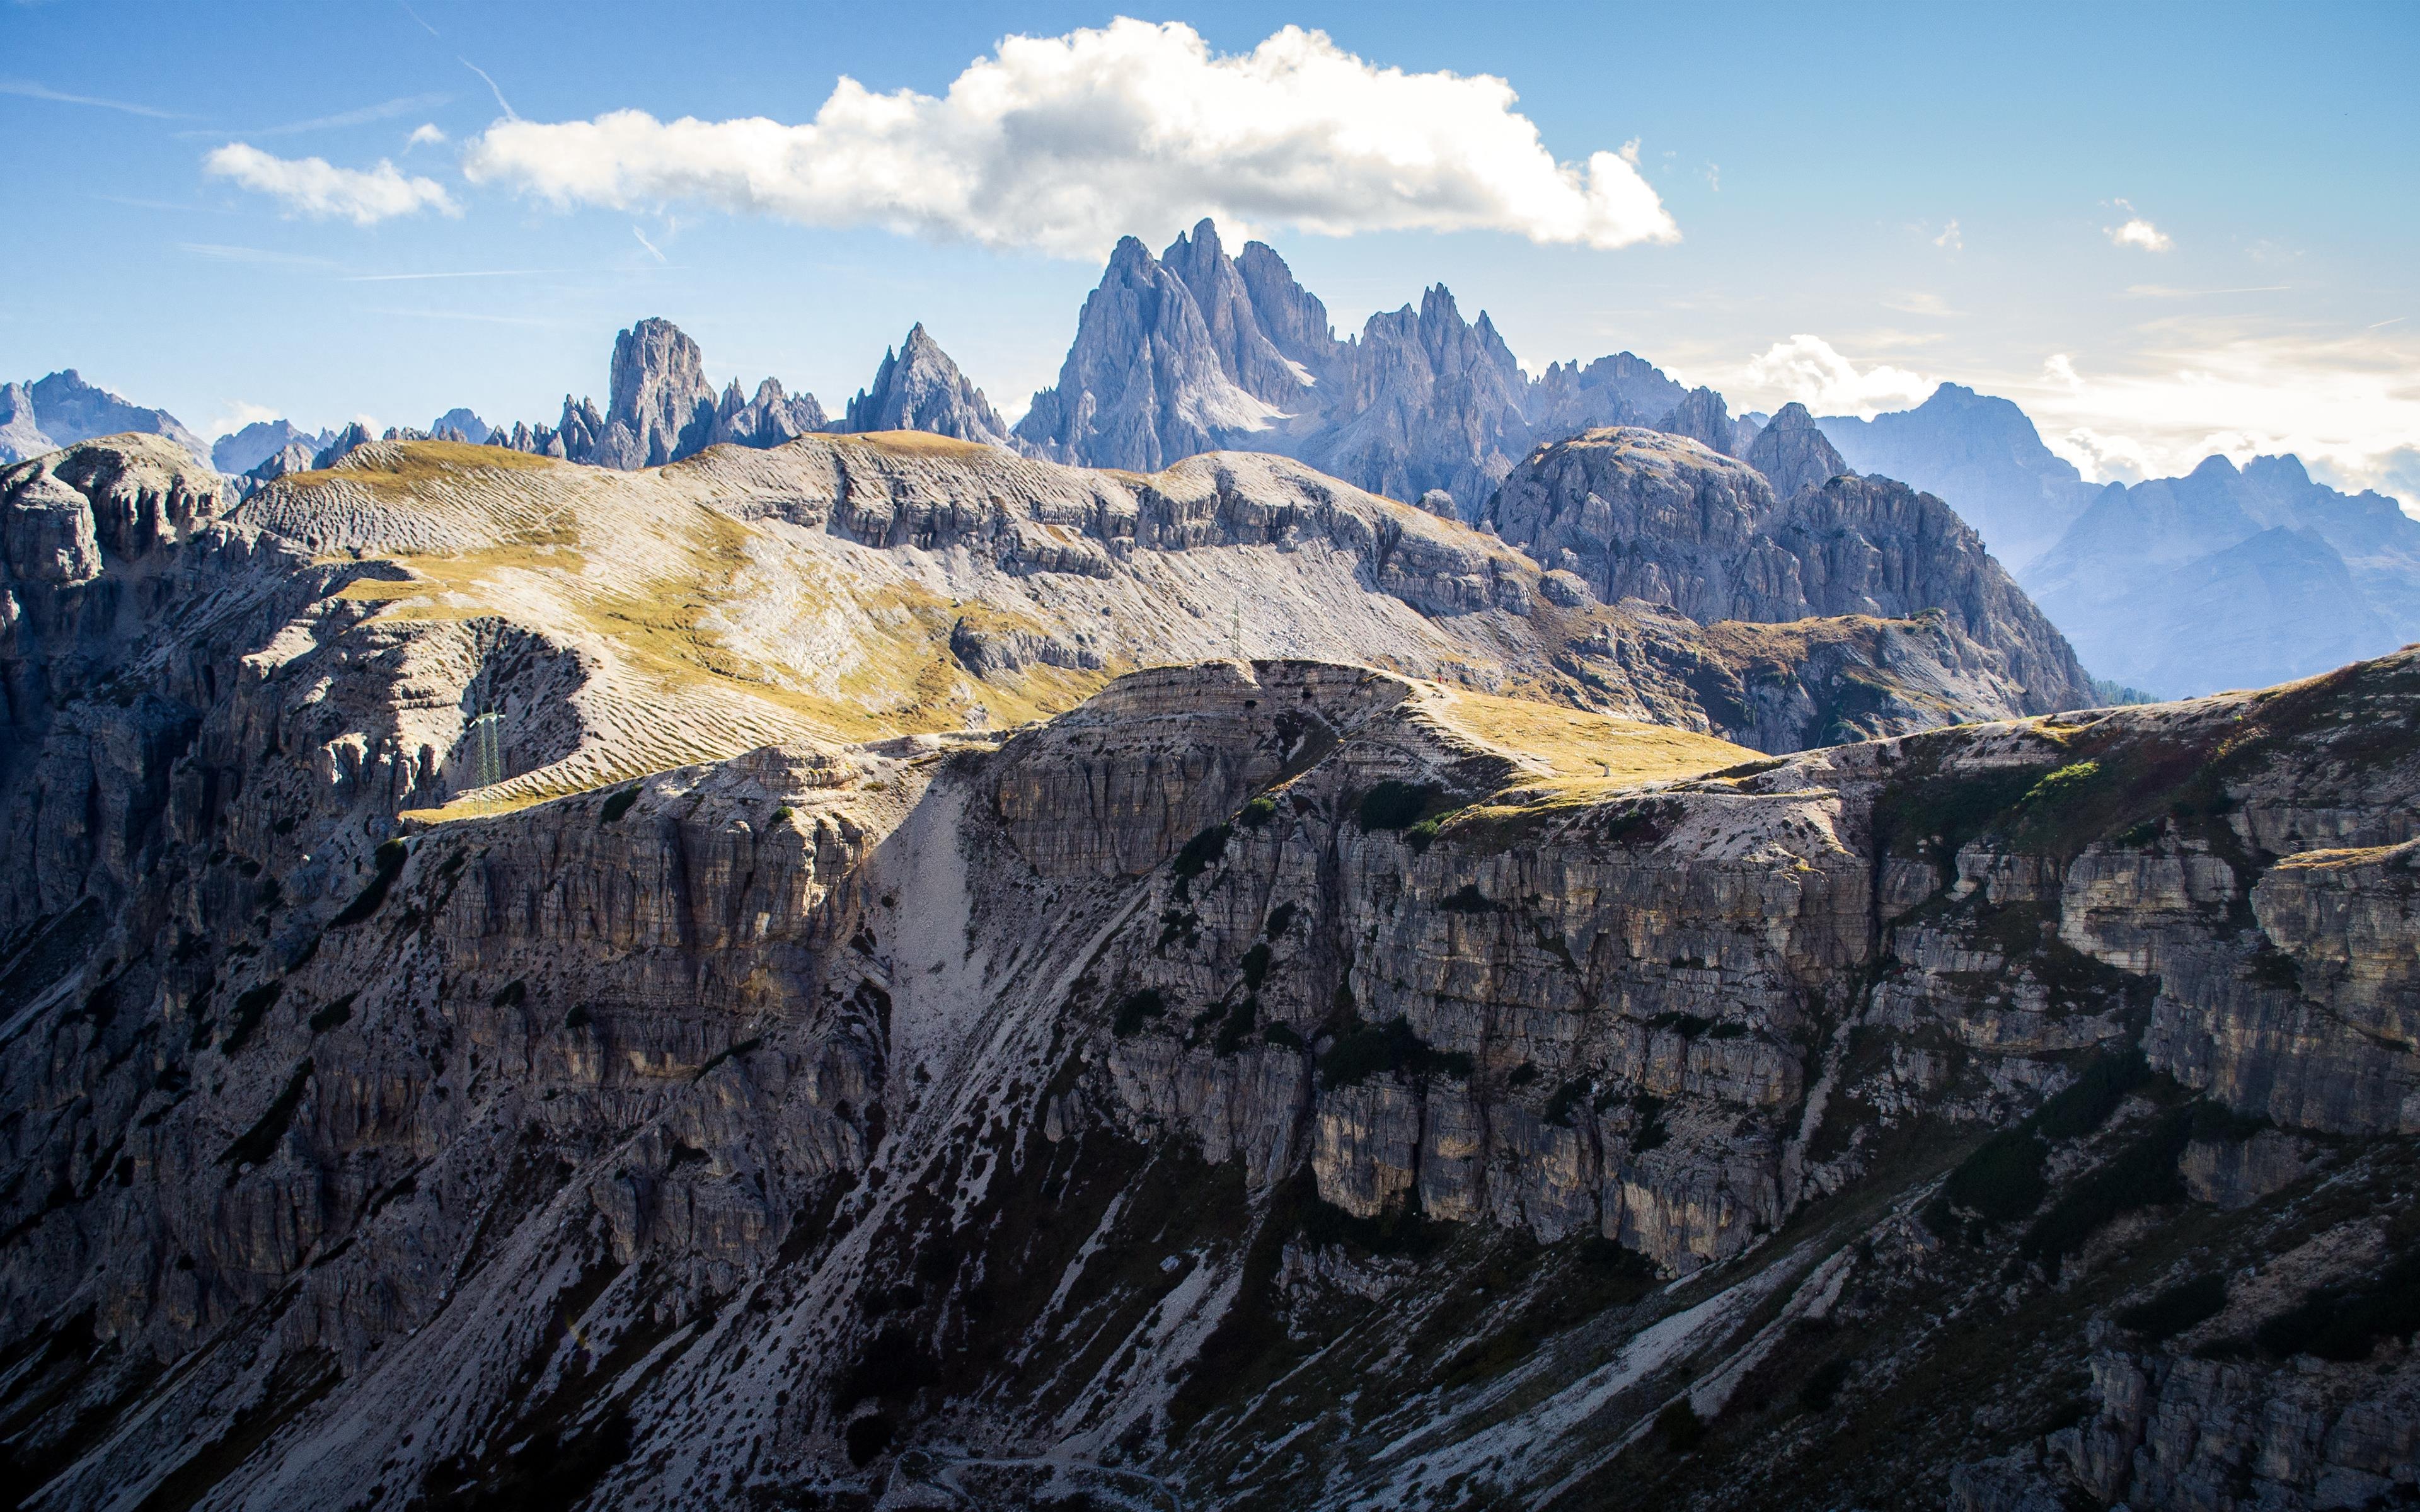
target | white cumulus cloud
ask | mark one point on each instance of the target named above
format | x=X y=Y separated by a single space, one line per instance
x=1064 y=143
x=314 y=186
x=2137 y=232
x=428 y=133
x=1808 y=369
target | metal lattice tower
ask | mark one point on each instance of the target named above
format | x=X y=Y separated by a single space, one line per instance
x=487 y=743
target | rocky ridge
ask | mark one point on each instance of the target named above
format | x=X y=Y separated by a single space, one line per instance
x=1656 y=516
x=61 y=408
x=918 y=388
x=1195 y=351
x=1269 y=1083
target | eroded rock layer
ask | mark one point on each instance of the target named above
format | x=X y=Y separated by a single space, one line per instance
x=1270 y=1083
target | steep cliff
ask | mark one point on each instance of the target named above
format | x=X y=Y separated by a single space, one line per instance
x=1269 y=1084
x=1194 y=352
x=1649 y=514
x=918 y=388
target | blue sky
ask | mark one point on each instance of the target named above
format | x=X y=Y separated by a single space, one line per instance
x=1854 y=202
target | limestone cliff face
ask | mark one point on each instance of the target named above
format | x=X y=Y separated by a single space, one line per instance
x=1275 y=1082
x=1655 y=515
x=918 y=388
x=744 y=1127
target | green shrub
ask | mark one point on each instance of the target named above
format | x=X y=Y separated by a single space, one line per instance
x=1399 y=1229
x=1138 y=1008
x=1649 y=1132
x=1237 y=1025
x=2085 y=1105
x=249 y=1006
x=619 y=804
x=1393 y=805
x=335 y=1014
x=1567 y=1098
x=2142 y=1175
x=1682 y=1429
x=2346 y=1324
x=1256 y=965
x=2062 y=785
x=1257 y=812
x=2002 y=1180
x=1280 y=919
x=387 y=863
x=2178 y=1308
x=1371 y=1049
x=1821 y=1388
x=1202 y=851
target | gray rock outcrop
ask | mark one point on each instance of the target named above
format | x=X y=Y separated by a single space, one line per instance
x=1793 y=453
x=1652 y=516
x=998 y=1116
x=918 y=388
x=239 y=451
x=1194 y=352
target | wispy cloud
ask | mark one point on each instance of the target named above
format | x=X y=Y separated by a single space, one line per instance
x=1910 y=301
x=142 y=204
x=383 y=110
x=221 y=253
x=317 y=188
x=426 y=134
x=473 y=316
x=475 y=272
x=2236 y=387
x=415 y=16
x=2164 y=291
x=31 y=90
x=649 y=245
x=502 y=104
x=1950 y=239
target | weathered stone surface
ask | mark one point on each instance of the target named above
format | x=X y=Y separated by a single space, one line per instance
x=1050 y=1095
x=1649 y=514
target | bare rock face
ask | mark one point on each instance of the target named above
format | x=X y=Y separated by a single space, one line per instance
x=918 y=388
x=661 y=407
x=1195 y=351
x=1142 y=385
x=1432 y=401
x=1272 y=1081
x=1704 y=418
x=61 y=408
x=1793 y=453
x=1653 y=516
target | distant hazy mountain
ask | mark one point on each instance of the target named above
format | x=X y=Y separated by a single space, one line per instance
x=466 y=422
x=2231 y=579
x=1195 y=351
x=918 y=388
x=239 y=451
x=62 y=409
x=660 y=408
x=1981 y=454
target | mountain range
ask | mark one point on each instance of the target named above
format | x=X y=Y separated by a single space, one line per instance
x=2226 y=578
x=881 y=971
x=1197 y=351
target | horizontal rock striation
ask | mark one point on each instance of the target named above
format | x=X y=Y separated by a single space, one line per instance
x=1276 y=1081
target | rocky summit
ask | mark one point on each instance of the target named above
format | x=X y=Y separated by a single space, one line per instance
x=881 y=971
